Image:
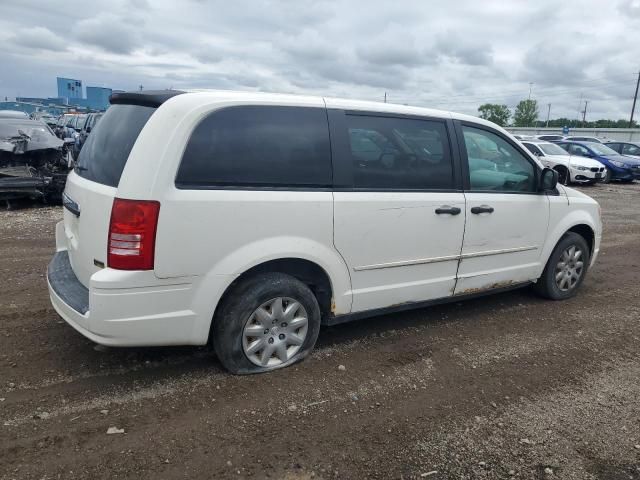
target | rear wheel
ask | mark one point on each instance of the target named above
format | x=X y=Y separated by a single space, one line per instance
x=266 y=322
x=565 y=269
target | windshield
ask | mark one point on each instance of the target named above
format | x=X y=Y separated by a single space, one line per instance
x=552 y=149
x=602 y=149
x=37 y=134
x=105 y=154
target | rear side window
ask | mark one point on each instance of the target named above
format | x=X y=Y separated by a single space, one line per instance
x=399 y=153
x=579 y=150
x=104 y=155
x=532 y=148
x=258 y=146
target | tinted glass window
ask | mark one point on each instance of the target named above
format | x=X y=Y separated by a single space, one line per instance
x=532 y=148
x=552 y=149
x=618 y=147
x=494 y=164
x=577 y=150
x=601 y=149
x=630 y=149
x=258 y=146
x=397 y=153
x=105 y=153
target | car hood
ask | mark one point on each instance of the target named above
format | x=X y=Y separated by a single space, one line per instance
x=573 y=193
x=584 y=161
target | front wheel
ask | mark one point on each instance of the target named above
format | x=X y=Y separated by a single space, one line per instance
x=607 y=176
x=266 y=322
x=563 y=176
x=565 y=269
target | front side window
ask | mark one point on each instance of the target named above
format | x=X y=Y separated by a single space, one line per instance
x=258 y=146
x=495 y=164
x=399 y=153
x=630 y=149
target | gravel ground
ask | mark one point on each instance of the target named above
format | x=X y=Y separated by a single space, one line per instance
x=507 y=386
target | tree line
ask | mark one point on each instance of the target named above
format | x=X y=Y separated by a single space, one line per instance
x=526 y=115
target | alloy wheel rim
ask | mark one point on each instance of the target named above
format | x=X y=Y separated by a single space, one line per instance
x=569 y=268
x=275 y=332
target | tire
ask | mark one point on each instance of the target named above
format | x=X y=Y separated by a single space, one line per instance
x=265 y=300
x=563 y=176
x=553 y=283
x=607 y=176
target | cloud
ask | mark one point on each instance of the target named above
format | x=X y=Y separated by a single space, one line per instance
x=395 y=48
x=454 y=56
x=110 y=32
x=630 y=7
x=464 y=49
x=38 y=38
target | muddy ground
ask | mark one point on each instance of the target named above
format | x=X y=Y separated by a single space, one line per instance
x=507 y=386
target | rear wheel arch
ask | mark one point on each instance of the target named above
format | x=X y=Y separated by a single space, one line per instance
x=308 y=272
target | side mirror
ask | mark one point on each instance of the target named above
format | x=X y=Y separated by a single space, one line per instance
x=88 y=129
x=548 y=180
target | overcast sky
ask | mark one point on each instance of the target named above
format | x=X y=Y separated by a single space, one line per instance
x=453 y=55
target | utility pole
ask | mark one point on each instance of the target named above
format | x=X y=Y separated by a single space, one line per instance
x=635 y=97
x=584 y=112
x=548 y=114
x=140 y=87
x=385 y=97
x=579 y=112
x=530 y=85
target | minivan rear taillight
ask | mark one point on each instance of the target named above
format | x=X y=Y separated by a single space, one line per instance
x=132 y=234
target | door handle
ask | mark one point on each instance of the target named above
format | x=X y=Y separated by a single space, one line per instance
x=482 y=209
x=446 y=209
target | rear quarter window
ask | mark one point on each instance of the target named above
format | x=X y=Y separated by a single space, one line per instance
x=258 y=146
x=105 y=153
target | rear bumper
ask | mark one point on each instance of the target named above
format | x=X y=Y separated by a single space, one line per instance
x=139 y=316
x=66 y=285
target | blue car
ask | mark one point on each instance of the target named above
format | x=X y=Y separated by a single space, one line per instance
x=619 y=167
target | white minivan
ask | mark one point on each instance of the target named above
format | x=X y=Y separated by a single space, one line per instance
x=248 y=220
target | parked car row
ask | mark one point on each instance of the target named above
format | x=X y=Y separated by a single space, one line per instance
x=586 y=159
x=557 y=137
x=76 y=126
